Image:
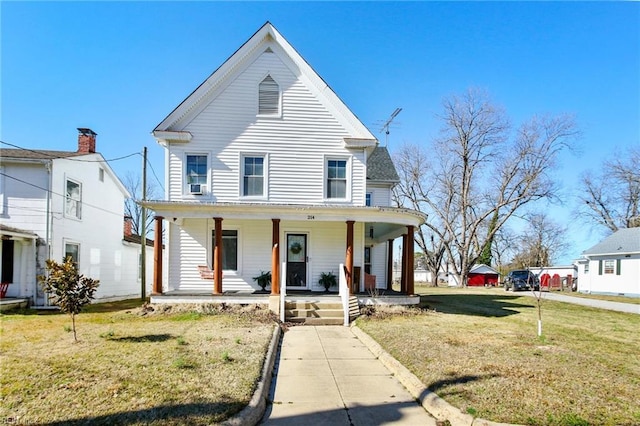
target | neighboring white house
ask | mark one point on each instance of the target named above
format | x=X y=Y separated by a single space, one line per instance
x=612 y=266
x=265 y=164
x=56 y=204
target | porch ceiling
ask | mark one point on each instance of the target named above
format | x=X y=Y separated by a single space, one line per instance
x=384 y=220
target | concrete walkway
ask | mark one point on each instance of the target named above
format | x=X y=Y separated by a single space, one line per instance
x=595 y=303
x=326 y=376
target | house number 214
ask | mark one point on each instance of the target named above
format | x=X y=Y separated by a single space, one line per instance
x=310 y=217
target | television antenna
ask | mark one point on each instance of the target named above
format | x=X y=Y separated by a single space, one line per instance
x=385 y=126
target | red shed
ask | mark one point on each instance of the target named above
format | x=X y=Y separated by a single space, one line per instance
x=482 y=275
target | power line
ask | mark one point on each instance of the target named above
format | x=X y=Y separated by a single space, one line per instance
x=155 y=175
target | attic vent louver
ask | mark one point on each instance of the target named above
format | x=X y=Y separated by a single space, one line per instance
x=269 y=97
x=268 y=50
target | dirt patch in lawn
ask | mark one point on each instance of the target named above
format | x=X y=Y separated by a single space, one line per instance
x=479 y=350
x=141 y=365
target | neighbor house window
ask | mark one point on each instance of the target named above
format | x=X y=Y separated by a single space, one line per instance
x=586 y=268
x=337 y=179
x=229 y=249
x=609 y=267
x=73 y=200
x=268 y=97
x=196 y=173
x=253 y=176
x=101 y=175
x=72 y=250
x=367 y=201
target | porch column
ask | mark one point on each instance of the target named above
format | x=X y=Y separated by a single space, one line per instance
x=275 y=256
x=349 y=256
x=403 y=263
x=390 y=265
x=410 y=253
x=157 y=256
x=217 y=257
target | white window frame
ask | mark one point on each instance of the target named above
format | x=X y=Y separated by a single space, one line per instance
x=66 y=243
x=226 y=272
x=186 y=185
x=67 y=214
x=348 y=176
x=609 y=263
x=277 y=114
x=265 y=175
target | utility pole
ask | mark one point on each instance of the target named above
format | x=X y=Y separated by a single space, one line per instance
x=143 y=231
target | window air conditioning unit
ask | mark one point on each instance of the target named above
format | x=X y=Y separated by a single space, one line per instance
x=195 y=188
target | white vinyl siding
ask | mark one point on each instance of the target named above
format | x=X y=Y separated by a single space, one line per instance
x=190 y=248
x=297 y=144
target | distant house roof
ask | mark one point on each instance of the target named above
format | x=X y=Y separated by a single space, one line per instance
x=37 y=154
x=137 y=239
x=9 y=230
x=380 y=167
x=623 y=241
x=481 y=268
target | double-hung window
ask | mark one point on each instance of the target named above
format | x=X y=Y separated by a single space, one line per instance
x=196 y=173
x=268 y=97
x=73 y=200
x=229 y=249
x=72 y=250
x=253 y=176
x=337 y=179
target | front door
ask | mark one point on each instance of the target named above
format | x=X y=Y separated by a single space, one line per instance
x=297 y=261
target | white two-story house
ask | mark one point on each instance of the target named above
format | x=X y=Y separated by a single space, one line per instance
x=56 y=204
x=268 y=170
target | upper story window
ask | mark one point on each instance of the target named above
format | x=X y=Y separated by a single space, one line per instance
x=367 y=201
x=196 y=173
x=268 y=97
x=73 y=200
x=101 y=174
x=586 y=268
x=337 y=179
x=253 y=176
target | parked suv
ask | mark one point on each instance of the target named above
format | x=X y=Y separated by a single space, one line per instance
x=521 y=279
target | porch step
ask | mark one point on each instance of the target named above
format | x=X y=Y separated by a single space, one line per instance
x=324 y=311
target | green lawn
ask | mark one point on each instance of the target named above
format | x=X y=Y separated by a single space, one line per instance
x=131 y=366
x=479 y=350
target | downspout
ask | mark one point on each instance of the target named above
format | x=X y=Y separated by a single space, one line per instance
x=49 y=227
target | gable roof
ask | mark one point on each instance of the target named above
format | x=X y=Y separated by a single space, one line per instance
x=37 y=154
x=380 y=167
x=623 y=241
x=267 y=37
x=481 y=268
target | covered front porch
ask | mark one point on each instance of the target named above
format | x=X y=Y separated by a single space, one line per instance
x=304 y=241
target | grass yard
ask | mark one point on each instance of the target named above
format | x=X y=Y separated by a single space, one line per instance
x=479 y=350
x=195 y=365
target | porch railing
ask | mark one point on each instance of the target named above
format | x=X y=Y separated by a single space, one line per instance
x=283 y=289
x=343 y=291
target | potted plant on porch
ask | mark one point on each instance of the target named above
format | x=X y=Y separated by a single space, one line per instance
x=263 y=280
x=328 y=279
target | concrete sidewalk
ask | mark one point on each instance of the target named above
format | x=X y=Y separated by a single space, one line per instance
x=326 y=376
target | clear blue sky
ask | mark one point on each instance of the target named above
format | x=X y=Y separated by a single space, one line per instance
x=120 y=68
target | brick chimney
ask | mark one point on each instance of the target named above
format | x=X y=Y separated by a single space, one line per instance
x=86 y=141
x=128 y=226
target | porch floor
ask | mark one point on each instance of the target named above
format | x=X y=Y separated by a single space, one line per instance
x=377 y=297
